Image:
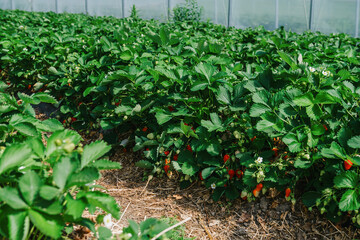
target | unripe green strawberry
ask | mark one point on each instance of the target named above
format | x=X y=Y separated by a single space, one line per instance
x=322 y=210
x=80 y=150
x=187 y=177
x=150 y=136
x=58 y=142
x=125 y=117
x=69 y=147
x=293 y=201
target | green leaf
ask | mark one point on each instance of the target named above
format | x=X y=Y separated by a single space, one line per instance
x=88 y=90
x=206 y=70
x=350 y=201
x=348 y=179
x=26 y=128
x=258 y=109
x=126 y=56
x=314 y=112
x=223 y=96
x=29 y=185
x=13 y=156
x=12 y=198
x=50 y=226
x=144 y=164
x=354 y=142
x=189 y=168
x=302 y=164
x=263 y=125
x=286 y=57
x=93 y=151
x=304 y=100
x=18 y=224
x=51 y=125
x=325 y=98
x=62 y=171
x=49 y=192
x=162 y=117
x=46 y=98
x=104 y=233
x=85 y=176
x=199 y=85
x=104 y=202
x=317 y=129
x=104 y=164
x=74 y=208
x=53 y=70
x=207 y=172
x=338 y=150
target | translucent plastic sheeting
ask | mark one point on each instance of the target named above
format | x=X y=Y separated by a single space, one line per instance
x=245 y=13
x=332 y=16
x=214 y=10
x=5 y=4
x=105 y=8
x=71 y=6
x=148 y=9
x=294 y=15
x=22 y=5
x=44 y=5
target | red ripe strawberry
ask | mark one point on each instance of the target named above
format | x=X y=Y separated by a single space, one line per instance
x=144 y=129
x=325 y=127
x=226 y=157
x=252 y=139
x=239 y=173
x=285 y=157
x=166 y=153
x=347 y=164
x=287 y=192
x=188 y=147
x=176 y=156
x=117 y=103
x=147 y=149
x=166 y=168
x=64 y=121
x=275 y=152
x=231 y=173
x=171 y=108
x=73 y=119
x=225 y=185
x=29 y=87
x=201 y=177
x=8 y=83
x=259 y=186
x=80 y=104
x=186 y=124
x=256 y=192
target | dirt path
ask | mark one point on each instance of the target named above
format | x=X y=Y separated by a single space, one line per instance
x=270 y=217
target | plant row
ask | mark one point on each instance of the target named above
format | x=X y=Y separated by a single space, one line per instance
x=240 y=110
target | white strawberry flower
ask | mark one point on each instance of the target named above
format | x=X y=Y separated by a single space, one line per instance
x=312 y=69
x=326 y=73
x=213 y=186
x=259 y=160
x=25 y=49
x=108 y=221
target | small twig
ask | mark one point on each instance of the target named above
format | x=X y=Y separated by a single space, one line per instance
x=170 y=228
x=338 y=230
x=117 y=223
x=147 y=183
x=206 y=229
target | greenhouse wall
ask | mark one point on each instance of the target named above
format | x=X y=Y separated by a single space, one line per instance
x=327 y=16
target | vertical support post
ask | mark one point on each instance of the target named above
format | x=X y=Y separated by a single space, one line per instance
x=229 y=13
x=216 y=11
x=357 y=18
x=31 y=5
x=12 y=5
x=123 y=8
x=311 y=14
x=56 y=6
x=276 y=14
x=168 y=9
x=86 y=7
